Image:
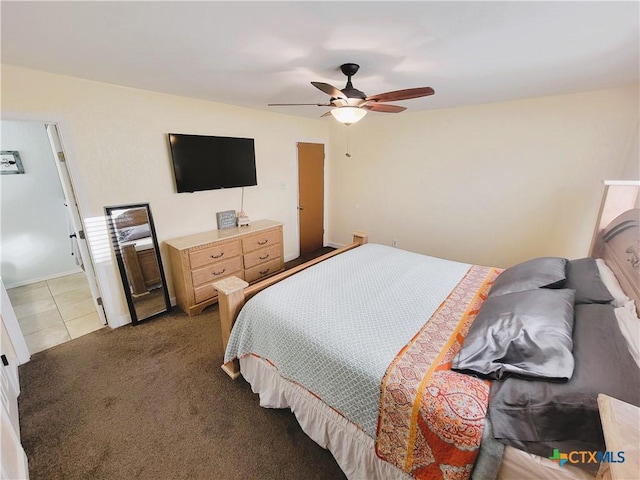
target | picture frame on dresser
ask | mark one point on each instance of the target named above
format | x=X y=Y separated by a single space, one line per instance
x=226 y=219
x=250 y=253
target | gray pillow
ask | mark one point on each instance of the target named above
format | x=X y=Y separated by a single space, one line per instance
x=528 y=334
x=538 y=416
x=583 y=277
x=536 y=273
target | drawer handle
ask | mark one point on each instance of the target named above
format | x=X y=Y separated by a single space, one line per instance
x=264 y=272
x=265 y=257
x=263 y=242
x=220 y=272
x=217 y=256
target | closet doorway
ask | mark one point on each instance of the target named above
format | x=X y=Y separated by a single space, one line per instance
x=45 y=263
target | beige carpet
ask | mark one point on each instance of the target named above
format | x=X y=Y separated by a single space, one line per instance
x=150 y=402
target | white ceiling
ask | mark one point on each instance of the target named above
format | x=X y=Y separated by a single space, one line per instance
x=254 y=53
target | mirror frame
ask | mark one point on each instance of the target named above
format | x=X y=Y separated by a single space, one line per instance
x=117 y=248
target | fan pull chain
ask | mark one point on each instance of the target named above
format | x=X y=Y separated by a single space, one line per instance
x=348 y=155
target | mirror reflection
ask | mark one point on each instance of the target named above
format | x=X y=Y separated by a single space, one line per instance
x=136 y=248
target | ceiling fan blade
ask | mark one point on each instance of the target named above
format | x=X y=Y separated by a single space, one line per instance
x=381 y=107
x=297 y=104
x=326 y=114
x=329 y=89
x=402 y=94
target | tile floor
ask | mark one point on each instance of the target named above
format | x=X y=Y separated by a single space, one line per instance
x=54 y=311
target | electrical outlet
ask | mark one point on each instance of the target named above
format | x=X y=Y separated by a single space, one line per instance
x=394 y=243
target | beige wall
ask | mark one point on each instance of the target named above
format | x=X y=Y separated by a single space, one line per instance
x=490 y=184
x=115 y=139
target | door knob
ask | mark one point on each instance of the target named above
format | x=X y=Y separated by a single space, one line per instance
x=300 y=208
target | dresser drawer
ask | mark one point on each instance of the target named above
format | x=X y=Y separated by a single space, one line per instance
x=257 y=257
x=206 y=291
x=216 y=271
x=214 y=253
x=260 y=240
x=263 y=270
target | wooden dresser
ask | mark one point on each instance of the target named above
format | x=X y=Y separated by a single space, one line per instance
x=251 y=253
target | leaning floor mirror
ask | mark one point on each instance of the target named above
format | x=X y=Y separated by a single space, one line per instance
x=136 y=247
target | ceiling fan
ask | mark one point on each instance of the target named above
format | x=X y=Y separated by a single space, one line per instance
x=351 y=105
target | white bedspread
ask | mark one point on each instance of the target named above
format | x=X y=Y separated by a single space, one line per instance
x=335 y=328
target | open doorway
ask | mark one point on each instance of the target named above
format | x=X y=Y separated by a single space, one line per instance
x=45 y=265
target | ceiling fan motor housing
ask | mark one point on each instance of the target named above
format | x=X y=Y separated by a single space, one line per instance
x=350 y=69
x=351 y=92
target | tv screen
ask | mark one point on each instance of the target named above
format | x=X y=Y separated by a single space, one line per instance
x=203 y=162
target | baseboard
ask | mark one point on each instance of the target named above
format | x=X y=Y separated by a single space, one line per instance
x=42 y=279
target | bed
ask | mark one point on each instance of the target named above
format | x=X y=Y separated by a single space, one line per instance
x=380 y=355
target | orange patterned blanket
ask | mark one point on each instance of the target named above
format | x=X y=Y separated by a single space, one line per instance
x=431 y=418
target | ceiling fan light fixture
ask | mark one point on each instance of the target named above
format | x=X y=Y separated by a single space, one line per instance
x=348 y=115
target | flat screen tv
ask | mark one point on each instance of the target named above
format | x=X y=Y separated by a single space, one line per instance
x=202 y=162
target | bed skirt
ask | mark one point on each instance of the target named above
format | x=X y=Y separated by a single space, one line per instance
x=353 y=449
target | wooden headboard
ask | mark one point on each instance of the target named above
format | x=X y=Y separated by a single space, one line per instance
x=616 y=238
x=619 y=246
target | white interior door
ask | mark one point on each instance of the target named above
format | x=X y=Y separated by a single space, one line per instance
x=13 y=460
x=76 y=218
